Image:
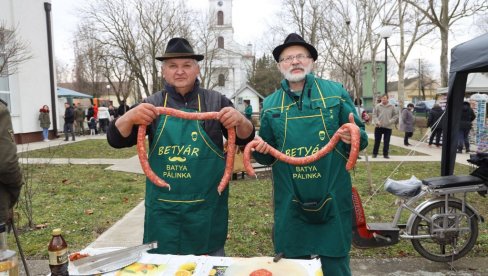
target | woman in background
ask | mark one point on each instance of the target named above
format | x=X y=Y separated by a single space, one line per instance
x=45 y=122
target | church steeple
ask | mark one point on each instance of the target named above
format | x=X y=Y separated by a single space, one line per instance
x=221 y=14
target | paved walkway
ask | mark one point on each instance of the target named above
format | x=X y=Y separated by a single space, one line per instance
x=128 y=231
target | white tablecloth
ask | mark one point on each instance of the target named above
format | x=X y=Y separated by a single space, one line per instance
x=205 y=264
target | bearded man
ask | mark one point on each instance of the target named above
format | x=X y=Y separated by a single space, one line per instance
x=312 y=203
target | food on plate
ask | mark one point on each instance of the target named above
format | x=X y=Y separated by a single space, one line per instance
x=183 y=273
x=136 y=269
x=190 y=266
x=212 y=272
x=77 y=255
x=261 y=272
x=284 y=267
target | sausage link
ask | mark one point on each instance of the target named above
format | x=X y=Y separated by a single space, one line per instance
x=299 y=161
x=142 y=153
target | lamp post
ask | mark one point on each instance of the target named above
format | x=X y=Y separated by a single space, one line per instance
x=385 y=33
x=108 y=92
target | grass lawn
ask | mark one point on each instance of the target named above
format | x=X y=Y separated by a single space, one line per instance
x=92 y=148
x=86 y=200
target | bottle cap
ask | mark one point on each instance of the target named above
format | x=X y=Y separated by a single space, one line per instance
x=57 y=232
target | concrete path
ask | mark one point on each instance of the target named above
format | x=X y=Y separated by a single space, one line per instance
x=128 y=231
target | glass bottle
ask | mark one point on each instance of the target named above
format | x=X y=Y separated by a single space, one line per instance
x=58 y=254
x=9 y=264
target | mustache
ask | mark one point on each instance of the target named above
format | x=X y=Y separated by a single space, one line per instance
x=297 y=67
x=177 y=159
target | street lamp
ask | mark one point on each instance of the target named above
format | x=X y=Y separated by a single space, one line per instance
x=108 y=91
x=385 y=33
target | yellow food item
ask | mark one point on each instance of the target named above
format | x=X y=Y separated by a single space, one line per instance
x=141 y=269
x=190 y=266
x=319 y=272
x=212 y=272
x=183 y=273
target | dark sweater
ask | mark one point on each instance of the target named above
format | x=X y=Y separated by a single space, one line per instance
x=210 y=101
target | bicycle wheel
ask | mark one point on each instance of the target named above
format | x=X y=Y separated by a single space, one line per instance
x=453 y=234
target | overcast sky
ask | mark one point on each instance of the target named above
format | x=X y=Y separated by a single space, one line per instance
x=246 y=30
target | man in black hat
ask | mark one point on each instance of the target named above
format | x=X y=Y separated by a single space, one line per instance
x=191 y=218
x=312 y=203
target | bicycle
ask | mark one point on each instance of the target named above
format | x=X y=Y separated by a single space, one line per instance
x=442 y=225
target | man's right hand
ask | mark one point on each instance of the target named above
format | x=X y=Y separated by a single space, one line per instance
x=142 y=114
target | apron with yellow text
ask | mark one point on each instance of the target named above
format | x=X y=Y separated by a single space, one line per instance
x=191 y=218
x=312 y=202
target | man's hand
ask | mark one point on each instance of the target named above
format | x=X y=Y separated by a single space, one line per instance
x=345 y=135
x=230 y=117
x=262 y=146
x=142 y=114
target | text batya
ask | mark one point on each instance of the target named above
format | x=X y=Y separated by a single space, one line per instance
x=178 y=150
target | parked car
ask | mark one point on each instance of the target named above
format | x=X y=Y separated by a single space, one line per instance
x=424 y=106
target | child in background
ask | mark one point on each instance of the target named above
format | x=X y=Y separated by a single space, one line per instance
x=92 y=125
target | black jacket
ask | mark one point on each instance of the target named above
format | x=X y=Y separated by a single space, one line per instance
x=69 y=115
x=211 y=101
x=467 y=116
x=434 y=115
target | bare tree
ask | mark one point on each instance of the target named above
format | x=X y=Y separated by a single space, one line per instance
x=89 y=70
x=413 y=26
x=63 y=71
x=13 y=50
x=443 y=14
x=137 y=32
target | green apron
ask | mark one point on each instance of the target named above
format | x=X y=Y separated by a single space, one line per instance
x=191 y=218
x=312 y=202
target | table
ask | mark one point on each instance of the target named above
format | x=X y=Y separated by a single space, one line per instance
x=169 y=264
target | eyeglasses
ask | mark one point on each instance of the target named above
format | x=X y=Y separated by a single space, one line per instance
x=289 y=59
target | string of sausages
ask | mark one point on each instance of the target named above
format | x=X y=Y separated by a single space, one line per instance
x=299 y=161
x=142 y=153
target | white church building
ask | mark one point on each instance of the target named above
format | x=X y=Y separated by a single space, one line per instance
x=229 y=61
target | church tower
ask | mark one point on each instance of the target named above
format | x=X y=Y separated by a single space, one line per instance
x=231 y=61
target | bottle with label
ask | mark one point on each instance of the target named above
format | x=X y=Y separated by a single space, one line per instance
x=58 y=254
x=9 y=264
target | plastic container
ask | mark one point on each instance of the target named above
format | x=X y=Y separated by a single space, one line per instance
x=9 y=263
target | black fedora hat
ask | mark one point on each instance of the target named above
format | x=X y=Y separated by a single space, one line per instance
x=179 y=48
x=291 y=40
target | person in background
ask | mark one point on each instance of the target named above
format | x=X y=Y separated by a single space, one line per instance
x=92 y=125
x=407 y=123
x=191 y=218
x=123 y=107
x=103 y=118
x=248 y=109
x=45 y=122
x=435 y=123
x=80 y=119
x=312 y=203
x=112 y=112
x=385 y=116
x=69 y=119
x=467 y=117
x=11 y=179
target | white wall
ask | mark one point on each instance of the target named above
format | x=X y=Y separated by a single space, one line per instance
x=30 y=87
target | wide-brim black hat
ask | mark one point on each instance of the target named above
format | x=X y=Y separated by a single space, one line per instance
x=179 y=48
x=291 y=40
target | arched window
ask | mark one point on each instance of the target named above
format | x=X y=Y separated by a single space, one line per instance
x=221 y=80
x=220 y=18
x=220 y=42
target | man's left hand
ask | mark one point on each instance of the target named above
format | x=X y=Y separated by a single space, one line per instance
x=345 y=135
x=230 y=117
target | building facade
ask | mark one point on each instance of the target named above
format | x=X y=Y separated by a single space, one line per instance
x=230 y=61
x=27 y=90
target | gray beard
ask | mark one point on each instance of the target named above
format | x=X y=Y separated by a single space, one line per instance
x=297 y=77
